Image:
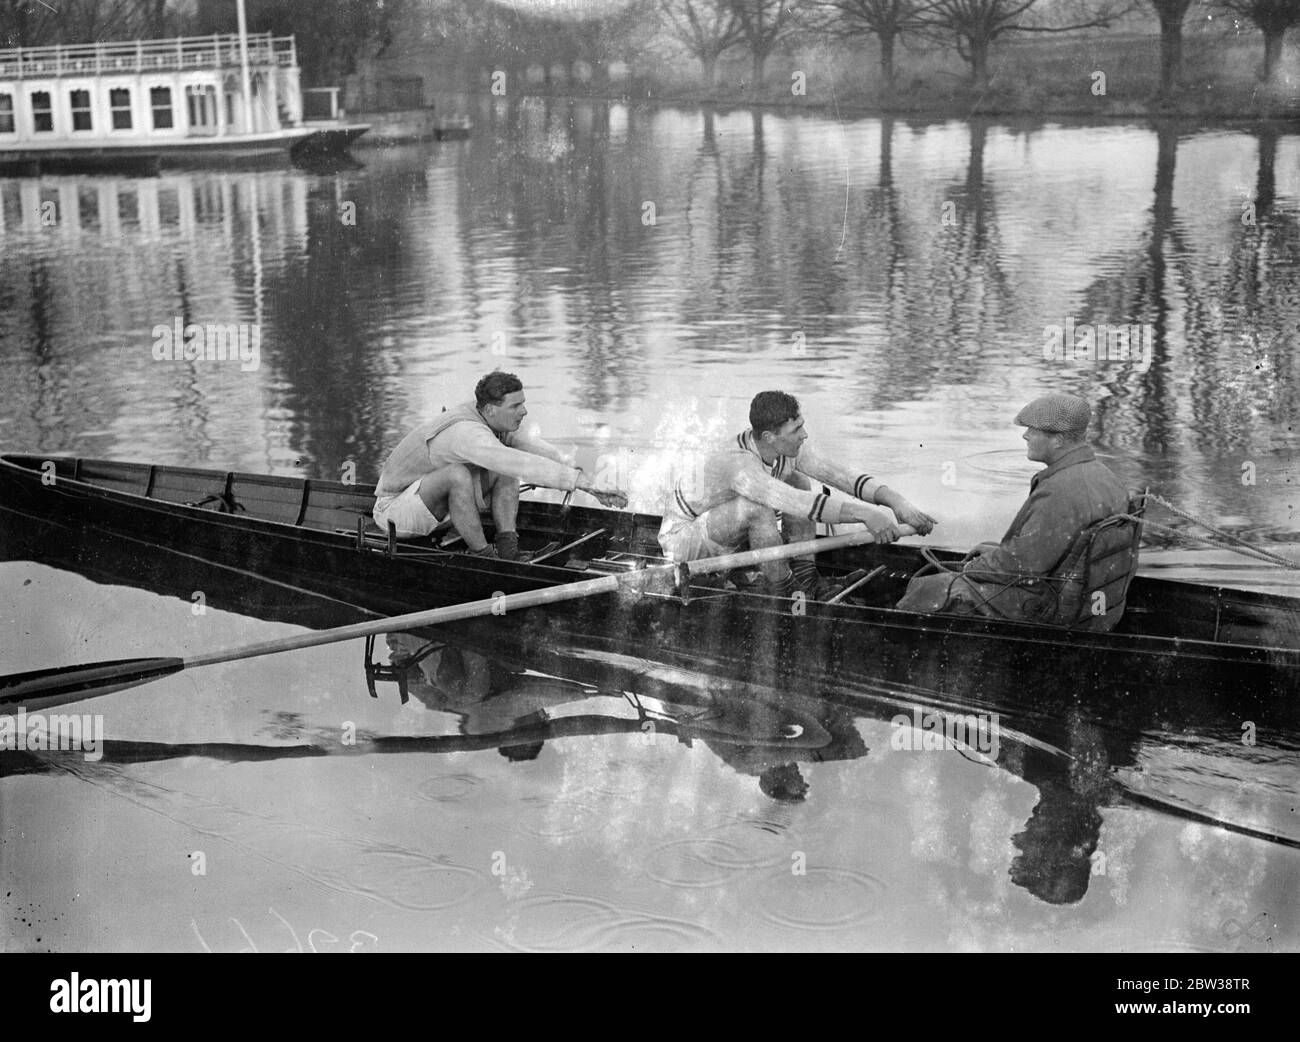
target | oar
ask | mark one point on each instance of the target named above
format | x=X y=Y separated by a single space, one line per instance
x=63 y=684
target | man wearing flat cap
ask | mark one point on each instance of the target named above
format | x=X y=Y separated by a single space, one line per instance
x=1012 y=579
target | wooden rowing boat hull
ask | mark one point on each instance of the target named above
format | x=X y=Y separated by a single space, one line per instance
x=304 y=535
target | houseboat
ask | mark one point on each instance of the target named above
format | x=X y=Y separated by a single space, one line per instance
x=148 y=103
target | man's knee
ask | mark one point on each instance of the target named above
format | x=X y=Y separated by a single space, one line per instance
x=929 y=593
x=459 y=476
x=437 y=485
x=501 y=485
x=756 y=513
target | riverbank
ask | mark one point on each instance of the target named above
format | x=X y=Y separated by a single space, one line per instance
x=1101 y=76
x=996 y=100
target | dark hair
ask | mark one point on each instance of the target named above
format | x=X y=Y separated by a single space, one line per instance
x=783 y=782
x=772 y=410
x=495 y=386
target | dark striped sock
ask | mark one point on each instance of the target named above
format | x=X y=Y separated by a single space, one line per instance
x=782 y=588
x=805 y=574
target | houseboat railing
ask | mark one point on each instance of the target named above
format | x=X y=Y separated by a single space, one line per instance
x=184 y=52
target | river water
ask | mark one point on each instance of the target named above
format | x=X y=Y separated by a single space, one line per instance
x=646 y=271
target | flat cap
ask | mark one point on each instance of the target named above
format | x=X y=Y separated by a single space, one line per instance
x=1056 y=413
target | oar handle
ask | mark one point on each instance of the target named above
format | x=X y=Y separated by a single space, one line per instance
x=503 y=603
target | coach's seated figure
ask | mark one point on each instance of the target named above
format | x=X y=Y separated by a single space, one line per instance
x=1069 y=554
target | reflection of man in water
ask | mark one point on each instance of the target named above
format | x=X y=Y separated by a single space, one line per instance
x=784 y=783
x=1056 y=846
x=1059 y=840
x=487 y=696
x=520 y=753
x=770 y=738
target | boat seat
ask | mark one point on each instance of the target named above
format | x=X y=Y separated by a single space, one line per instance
x=1103 y=559
x=368 y=532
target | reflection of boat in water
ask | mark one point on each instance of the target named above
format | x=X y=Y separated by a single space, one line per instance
x=492 y=693
x=528 y=690
x=1080 y=760
x=453 y=128
x=519 y=699
x=145 y=103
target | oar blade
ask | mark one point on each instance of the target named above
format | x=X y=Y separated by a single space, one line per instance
x=52 y=687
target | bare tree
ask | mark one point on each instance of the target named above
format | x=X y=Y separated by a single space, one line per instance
x=86 y=20
x=975 y=24
x=334 y=39
x=1171 y=14
x=1273 y=18
x=31 y=23
x=156 y=17
x=24 y=23
x=887 y=20
x=706 y=28
x=763 y=25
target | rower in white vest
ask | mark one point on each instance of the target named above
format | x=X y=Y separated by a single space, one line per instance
x=470 y=458
x=757 y=487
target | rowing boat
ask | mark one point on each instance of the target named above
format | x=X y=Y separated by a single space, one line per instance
x=317 y=536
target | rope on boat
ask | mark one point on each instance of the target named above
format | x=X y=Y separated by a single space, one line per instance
x=1236 y=543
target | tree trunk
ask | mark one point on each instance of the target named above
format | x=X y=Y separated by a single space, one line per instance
x=887 y=59
x=756 y=69
x=1171 y=53
x=979 y=62
x=1266 y=178
x=1272 y=53
x=709 y=69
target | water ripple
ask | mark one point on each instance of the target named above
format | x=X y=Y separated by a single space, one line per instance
x=414 y=883
x=822 y=899
x=558 y=819
x=447 y=788
x=555 y=922
x=653 y=934
x=694 y=862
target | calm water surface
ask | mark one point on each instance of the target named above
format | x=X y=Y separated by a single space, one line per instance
x=900 y=279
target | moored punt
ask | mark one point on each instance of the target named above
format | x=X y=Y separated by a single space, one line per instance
x=317 y=536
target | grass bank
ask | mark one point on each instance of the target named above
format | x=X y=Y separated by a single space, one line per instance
x=1097 y=76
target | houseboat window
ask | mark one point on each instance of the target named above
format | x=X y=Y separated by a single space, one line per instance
x=119 y=101
x=42 y=111
x=160 y=98
x=203 y=113
x=80 y=109
x=6 y=114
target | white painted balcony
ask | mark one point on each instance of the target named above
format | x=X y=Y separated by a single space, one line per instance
x=182 y=53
